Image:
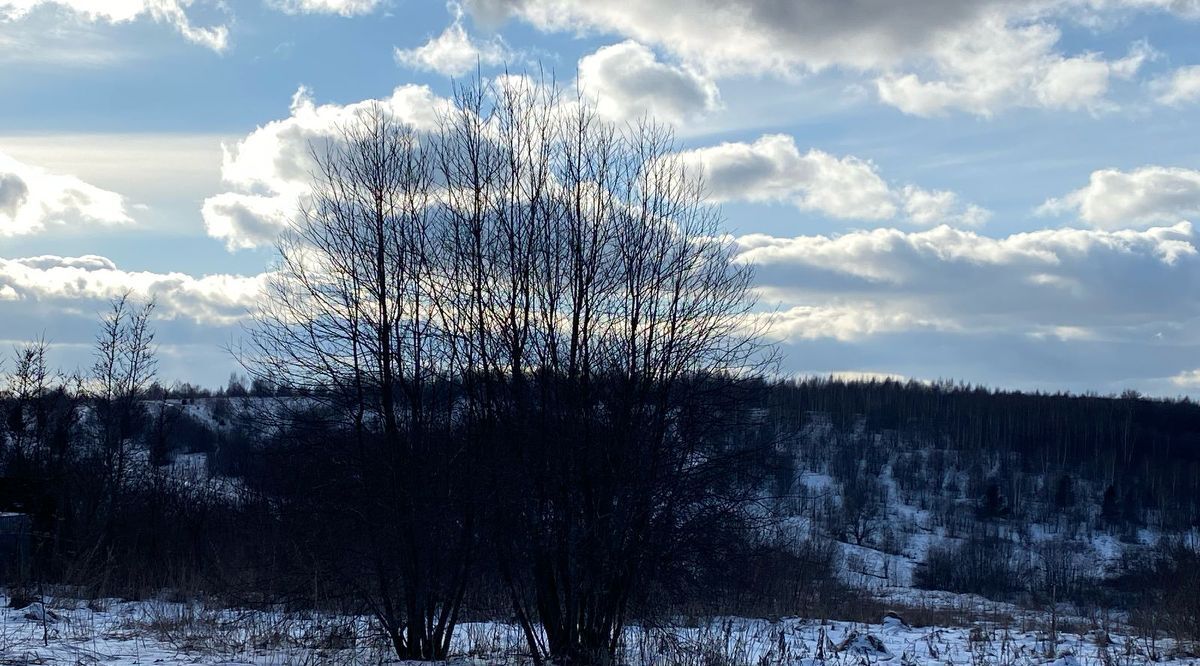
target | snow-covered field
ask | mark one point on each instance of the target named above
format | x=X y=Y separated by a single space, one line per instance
x=159 y=632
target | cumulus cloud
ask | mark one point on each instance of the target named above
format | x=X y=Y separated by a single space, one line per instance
x=1188 y=379
x=87 y=262
x=1181 y=87
x=248 y=220
x=930 y=207
x=32 y=199
x=993 y=66
x=13 y=194
x=1083 y=281
x=1148 y=195
x=741 y=36
x=67 y=283
x=454 y=52
x=981 y=56
x=752 y=35
x=171 y=12
x=772 y=169
x=269 y=169
x=628 y=81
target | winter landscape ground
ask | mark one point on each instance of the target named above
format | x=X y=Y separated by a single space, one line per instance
x=880 y=614
x=111 y=631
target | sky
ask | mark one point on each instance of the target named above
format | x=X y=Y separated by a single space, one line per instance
x=998 y=192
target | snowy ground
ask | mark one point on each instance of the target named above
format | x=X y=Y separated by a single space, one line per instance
x=156 y=632
x=965 y=629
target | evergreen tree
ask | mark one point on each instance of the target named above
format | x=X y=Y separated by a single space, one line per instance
x=1064 y=493
x=994 y=505
x=1109 y=511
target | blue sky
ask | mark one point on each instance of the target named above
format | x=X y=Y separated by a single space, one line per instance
x=997 y=191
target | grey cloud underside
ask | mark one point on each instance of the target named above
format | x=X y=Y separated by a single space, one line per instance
x=88 y=262
x=251 y=226
x=811 y=33
x=1067 y=283
x=772 y=168
x=65 y=285
x=13 y=193
x=804 y=28
x=629 y=82
x=980 y=57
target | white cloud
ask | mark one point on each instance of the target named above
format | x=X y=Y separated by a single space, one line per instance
x=772 y=169
x=340 y=7
x=67 y=283
x=1069 y=282
x=248 y=220
x=930 y=207
x=739 y=36
x=753 y=35
x=269 y=169
x=32 y=199
x=454 y=53
x=171 y=12
x=628 y=81
x=994 y=66
x=1181 y=87
x=980 y=56
x=161 y=169
x=846 y=322
x=1147 y=195
x=1188 y=379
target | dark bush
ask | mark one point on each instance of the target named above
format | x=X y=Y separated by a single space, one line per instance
x=979 y=565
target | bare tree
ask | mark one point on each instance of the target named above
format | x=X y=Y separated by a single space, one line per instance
x=29 y=385
x=528 y=318
x=124 y=367
x=353 y=320
x=607 y=319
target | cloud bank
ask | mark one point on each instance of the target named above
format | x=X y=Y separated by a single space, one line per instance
x=772 y=169
x=1080 y=283
x=928 y=58
x=67 y=284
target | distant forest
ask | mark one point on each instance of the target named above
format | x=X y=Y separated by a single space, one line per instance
x=1143 y=453
x=259 y=518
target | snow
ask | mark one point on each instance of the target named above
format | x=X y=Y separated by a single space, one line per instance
x=974 y=630
x=159 y=632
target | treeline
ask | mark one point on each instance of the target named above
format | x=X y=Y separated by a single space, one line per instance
x=1130 y=461
x=1060 y=428
x=1026 y=497
x=82 y=459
